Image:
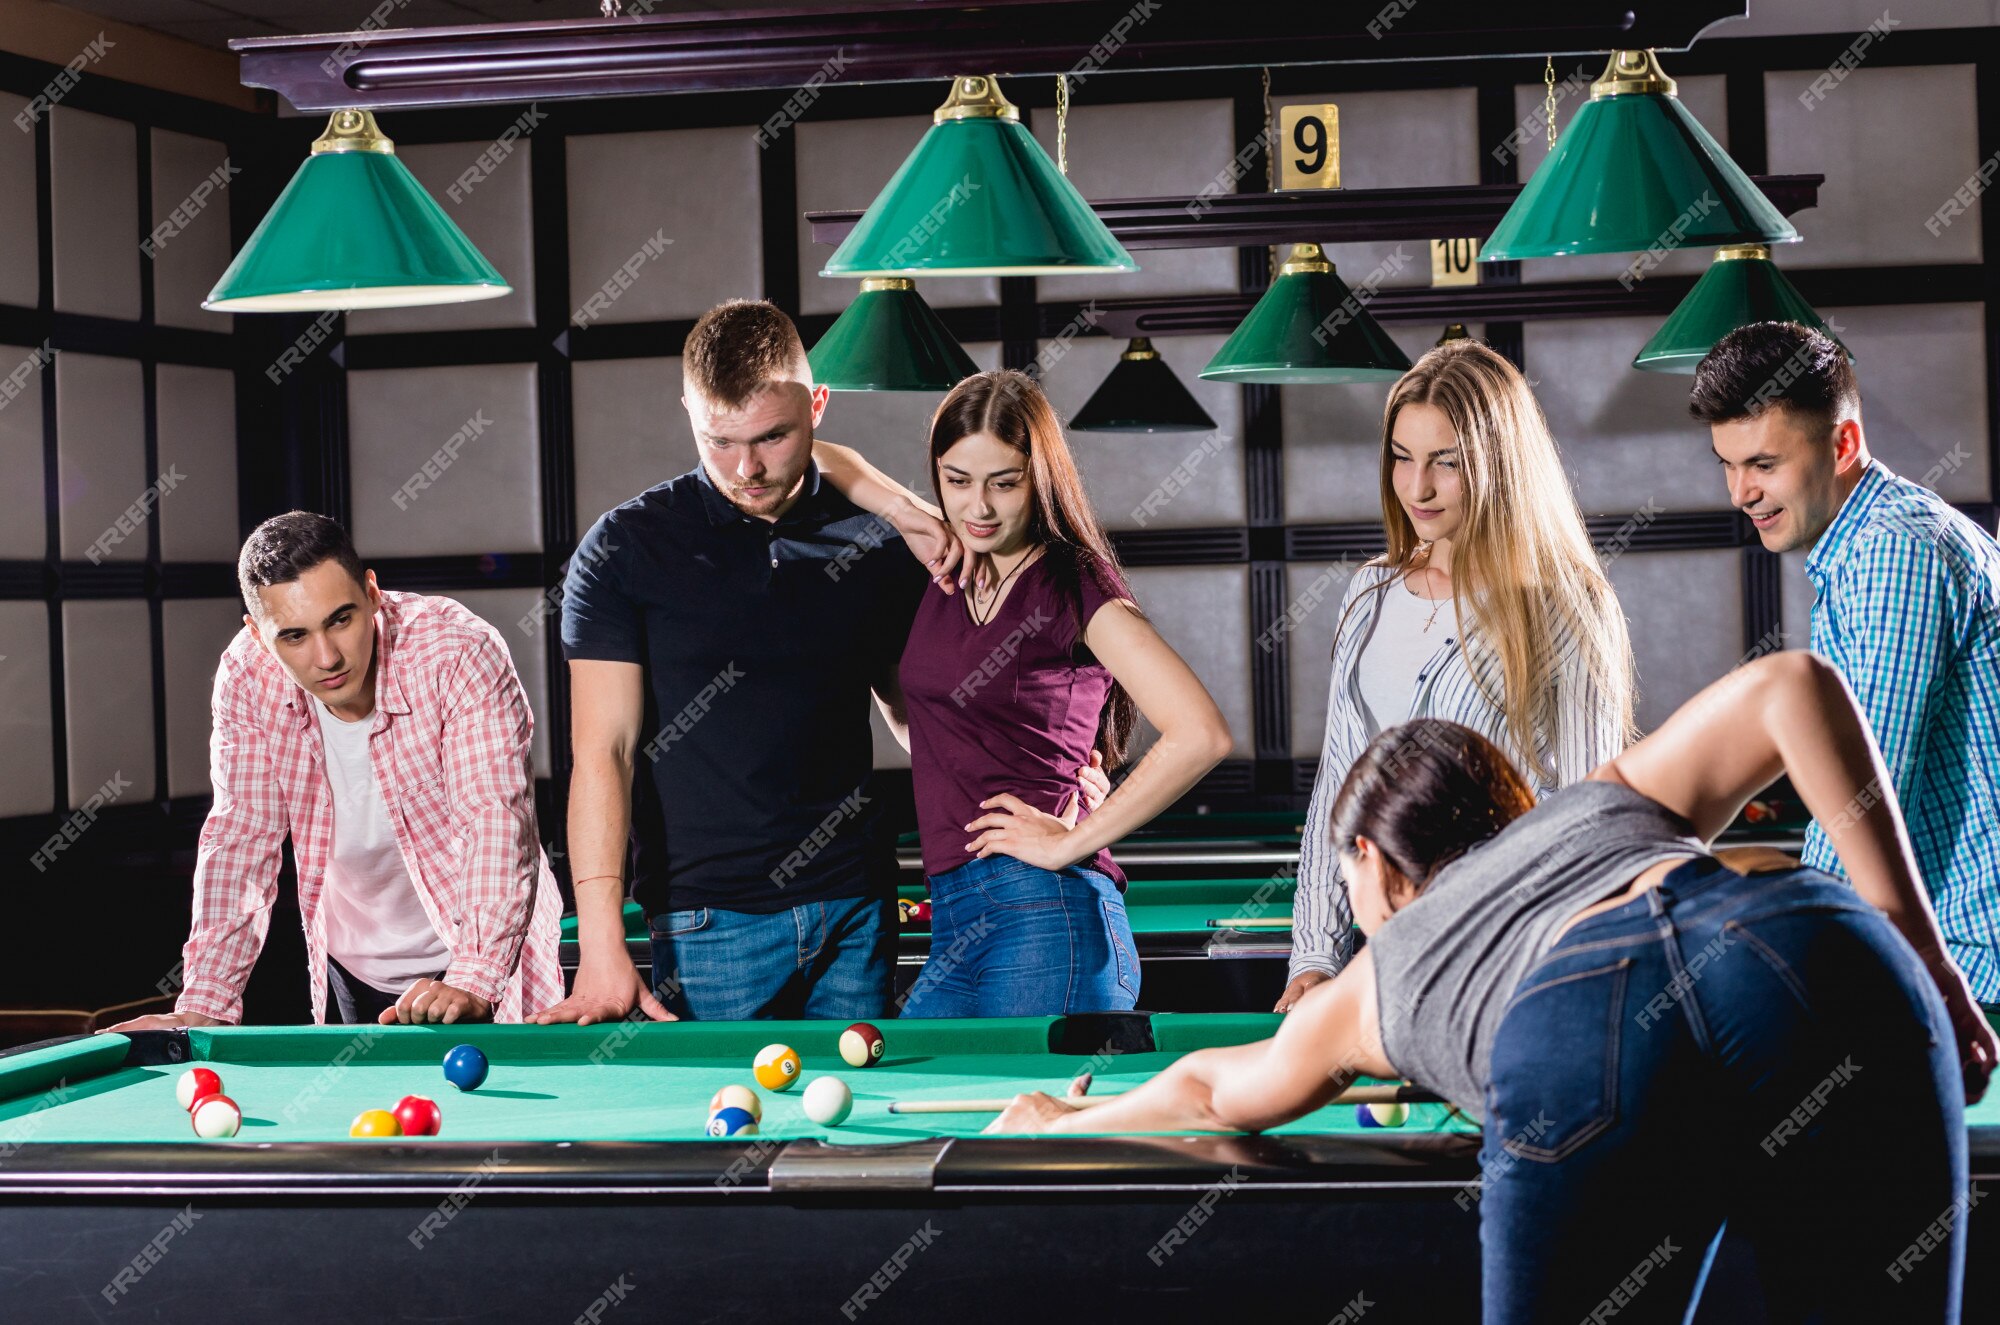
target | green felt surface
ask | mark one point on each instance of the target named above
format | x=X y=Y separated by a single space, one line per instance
x=1154 y=906
x=626 y=1082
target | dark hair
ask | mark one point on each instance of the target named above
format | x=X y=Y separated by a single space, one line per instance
x=1776 y=363
x=1426 y=792
x=286 y=546
x=738 y=346
x=1010 y=407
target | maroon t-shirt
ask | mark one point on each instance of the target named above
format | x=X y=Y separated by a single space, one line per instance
x=1010 y=706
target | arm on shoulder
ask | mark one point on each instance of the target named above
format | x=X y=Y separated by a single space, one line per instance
x=921 y=524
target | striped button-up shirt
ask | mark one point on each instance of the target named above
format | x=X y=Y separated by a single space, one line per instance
x=1907 y=607
x=1447 y=686
x=450 y=753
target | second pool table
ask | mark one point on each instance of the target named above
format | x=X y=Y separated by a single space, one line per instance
x=1191 y=958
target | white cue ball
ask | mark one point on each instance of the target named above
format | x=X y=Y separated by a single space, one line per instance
x=828 y=1101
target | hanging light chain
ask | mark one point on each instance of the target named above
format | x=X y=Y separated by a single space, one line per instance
x=1062 y=124
x=1549 y=99
x=1270 y=172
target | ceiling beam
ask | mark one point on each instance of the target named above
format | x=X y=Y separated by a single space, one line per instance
x=782 y=47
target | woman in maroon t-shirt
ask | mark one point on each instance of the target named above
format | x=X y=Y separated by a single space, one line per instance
x=1006 y=690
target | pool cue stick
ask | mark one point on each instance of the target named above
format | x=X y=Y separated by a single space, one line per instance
x=1384 y=1094
x=1252 y=922
x=987 y=1106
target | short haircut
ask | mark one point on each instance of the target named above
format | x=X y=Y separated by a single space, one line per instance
x=738 y=346
x=285 y=547
x=1776 y=363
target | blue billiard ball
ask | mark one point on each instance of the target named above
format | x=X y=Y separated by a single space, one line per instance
x=731 y=1121
x=465 y=1067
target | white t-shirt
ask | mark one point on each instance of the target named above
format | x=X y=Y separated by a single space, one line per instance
x=376 y=926
x=1396 y=651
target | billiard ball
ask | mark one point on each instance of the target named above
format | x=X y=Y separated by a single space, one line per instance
x=195 y=1083
x=906 y=910
x=731 y=1122
x=776 y=1067
x=375 y=1122
x=418 y=1115
x=738 y=1097
x=921 y=913
x=861 y=1045
x=216 y=1115
x=465 y=1067
x=828 y=1101
x=1382 y=1115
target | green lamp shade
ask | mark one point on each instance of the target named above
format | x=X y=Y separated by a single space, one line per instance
x=1308 y=328
x=1633 y=170
x=889 y=340
x=1142 y=394
x=1741 y=286
x=978 y=197
x=354 y=229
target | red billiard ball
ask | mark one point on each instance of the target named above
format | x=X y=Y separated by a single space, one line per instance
x=921 y=912
x=195 y=1084
x=418 y=1115
x=216 y=1116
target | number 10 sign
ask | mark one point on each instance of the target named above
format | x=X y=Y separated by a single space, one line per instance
x=1308 y=147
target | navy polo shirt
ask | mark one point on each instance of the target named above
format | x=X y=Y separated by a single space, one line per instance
x=761 y=642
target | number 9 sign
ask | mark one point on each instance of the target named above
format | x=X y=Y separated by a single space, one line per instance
x=1308 y=147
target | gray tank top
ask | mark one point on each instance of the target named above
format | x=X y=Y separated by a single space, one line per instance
x=1447 y=964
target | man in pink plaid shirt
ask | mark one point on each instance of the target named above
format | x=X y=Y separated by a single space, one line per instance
x=386 y=734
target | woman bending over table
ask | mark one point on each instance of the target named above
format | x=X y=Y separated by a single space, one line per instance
x=1658 y=1038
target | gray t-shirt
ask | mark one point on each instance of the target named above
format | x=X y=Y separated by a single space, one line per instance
x=1447 y=964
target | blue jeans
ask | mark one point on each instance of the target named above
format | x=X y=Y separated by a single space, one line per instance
x=1760 y=1051
x=1011 y=940
x=832 y=960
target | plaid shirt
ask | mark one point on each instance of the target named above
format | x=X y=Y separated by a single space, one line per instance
x=450 y=753
x=1908 y=609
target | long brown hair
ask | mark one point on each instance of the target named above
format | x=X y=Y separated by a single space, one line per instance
x=1522 y=563
x=1426 y=792
x=1009 y=407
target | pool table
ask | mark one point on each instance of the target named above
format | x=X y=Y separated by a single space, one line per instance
x=577 y=1178
x=582 y=1160
x=1190 y=958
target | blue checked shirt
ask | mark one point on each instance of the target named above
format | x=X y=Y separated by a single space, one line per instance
x=1907 y=607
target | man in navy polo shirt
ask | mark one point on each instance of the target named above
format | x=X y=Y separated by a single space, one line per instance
x=724 y=632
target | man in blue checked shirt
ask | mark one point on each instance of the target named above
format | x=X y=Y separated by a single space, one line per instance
x=1907 y=607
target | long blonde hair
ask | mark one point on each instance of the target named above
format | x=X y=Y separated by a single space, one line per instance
x=1521 y=560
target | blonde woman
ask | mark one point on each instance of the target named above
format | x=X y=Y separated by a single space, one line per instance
x=1489 y=609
